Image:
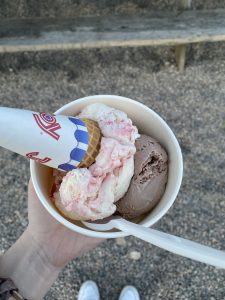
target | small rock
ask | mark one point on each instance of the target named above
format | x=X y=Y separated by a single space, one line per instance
x=121 y=241
x=135 y=255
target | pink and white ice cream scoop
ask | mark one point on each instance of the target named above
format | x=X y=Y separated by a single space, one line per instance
x=90 y=194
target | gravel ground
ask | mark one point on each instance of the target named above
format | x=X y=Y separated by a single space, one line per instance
x=193 y=105
x=72 y=8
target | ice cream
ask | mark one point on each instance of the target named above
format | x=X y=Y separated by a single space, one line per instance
x=113 y=123
x=83 y=196
x=149 y=181
x=129 y=173
x=91 y=193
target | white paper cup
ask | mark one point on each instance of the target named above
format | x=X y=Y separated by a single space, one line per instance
x=148 y=122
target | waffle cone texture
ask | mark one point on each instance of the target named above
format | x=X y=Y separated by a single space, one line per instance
x=94 y=142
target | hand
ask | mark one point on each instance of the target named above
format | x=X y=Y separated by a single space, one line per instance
x=46 y=246
x=59 y=243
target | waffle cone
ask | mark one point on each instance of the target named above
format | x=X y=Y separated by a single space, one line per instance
x=94 y=142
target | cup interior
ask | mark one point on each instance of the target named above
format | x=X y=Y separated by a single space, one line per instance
x=147 y=122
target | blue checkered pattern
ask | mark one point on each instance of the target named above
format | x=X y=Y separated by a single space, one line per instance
x=78 y=153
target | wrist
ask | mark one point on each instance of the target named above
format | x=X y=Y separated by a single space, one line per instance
x=27 y=264
x=59 y=249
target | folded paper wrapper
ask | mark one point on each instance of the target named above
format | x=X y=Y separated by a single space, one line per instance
x=58 y=141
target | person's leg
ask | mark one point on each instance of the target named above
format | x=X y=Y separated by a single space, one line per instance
x=129 y=292
x=88 y=291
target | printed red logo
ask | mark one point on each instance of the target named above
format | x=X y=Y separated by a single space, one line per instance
x=33 y=155
x=48 y=124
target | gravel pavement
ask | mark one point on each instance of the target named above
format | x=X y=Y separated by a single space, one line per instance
x=73 y=8
x=193 y=104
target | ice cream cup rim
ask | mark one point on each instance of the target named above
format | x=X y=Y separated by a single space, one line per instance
x=89 y=232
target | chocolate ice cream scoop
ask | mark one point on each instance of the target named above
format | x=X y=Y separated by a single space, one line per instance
x=149 y=181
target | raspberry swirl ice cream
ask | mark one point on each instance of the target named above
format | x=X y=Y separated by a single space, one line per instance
x=113 y=123
x=91 y=193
